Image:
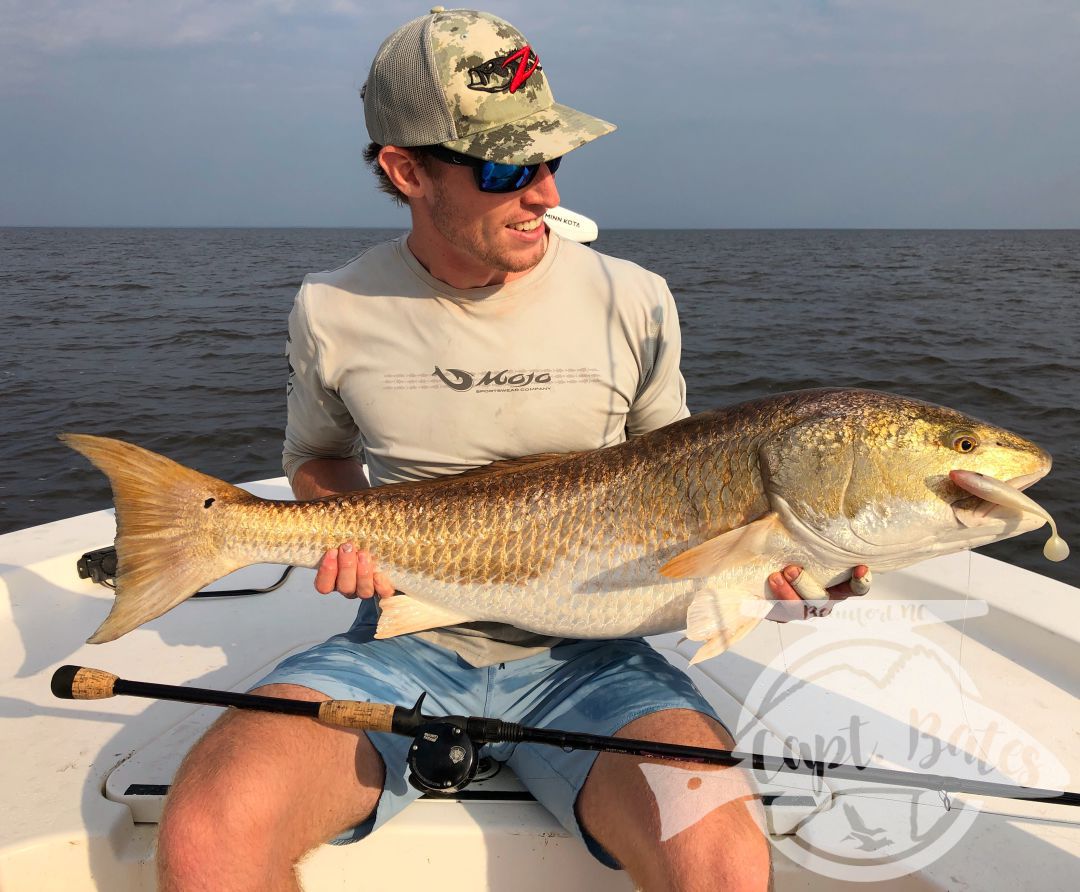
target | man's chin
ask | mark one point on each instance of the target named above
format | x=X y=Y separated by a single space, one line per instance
x=521 y=258
x=499 y=251
x=521 y=265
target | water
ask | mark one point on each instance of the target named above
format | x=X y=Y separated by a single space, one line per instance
x=174 y=338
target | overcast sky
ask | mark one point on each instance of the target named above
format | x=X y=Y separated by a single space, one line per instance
x=731 y=113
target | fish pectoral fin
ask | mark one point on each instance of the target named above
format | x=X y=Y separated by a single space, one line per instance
x=722 y=618
x=402 y=615
x=730 y=549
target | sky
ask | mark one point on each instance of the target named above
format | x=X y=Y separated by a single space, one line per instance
x=731 y=113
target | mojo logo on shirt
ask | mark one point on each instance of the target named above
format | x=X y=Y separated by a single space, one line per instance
x=506 y=379
x=493 y=380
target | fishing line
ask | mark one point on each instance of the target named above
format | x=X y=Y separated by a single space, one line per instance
x=783 y=653
x=960 y=662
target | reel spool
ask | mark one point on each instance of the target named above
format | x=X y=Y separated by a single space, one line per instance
x=442 y=758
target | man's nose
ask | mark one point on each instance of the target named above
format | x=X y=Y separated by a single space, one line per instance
x=542 y=190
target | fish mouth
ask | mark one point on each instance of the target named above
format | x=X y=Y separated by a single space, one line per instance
x=1025 y=480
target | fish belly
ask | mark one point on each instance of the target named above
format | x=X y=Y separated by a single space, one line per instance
x=550 y=609
x=568 y=608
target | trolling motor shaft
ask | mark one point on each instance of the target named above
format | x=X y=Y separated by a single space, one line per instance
x=436 y=763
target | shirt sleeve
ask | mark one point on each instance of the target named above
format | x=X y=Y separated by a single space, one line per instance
x=661 y=397
x=319 y=424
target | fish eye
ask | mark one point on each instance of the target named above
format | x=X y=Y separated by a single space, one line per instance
x=965 y=443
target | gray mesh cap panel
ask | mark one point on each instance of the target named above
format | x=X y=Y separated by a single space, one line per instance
x=404 y=103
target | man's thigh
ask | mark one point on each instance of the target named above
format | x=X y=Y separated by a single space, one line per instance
x=676 y=824
x=596 y=687
x=353 y=666
x=289 y=782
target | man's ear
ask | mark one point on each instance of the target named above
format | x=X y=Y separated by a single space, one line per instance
x=405 y=170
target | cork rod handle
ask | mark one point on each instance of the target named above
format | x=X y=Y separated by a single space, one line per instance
x=357 y=714
x=83 y=683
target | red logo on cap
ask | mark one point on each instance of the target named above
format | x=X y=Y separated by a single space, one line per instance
x=511 y=71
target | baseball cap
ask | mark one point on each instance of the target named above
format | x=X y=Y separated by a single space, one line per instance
x=470 y=81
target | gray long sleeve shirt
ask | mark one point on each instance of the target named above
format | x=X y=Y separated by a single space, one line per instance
x=389 y=364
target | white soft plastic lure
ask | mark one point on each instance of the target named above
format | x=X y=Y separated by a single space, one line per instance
x=992 y=490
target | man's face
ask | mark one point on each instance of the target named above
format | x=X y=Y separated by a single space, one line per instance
x=500 y=232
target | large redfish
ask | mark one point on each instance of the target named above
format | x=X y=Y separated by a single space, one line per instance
x=675 y=529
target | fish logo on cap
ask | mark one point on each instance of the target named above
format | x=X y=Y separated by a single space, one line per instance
x=511 y=70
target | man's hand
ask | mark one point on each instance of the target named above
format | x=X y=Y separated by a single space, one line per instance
x=342 y=569
x=352 y=573
x=780 y=584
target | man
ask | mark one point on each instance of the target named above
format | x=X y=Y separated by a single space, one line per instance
x=537 y=345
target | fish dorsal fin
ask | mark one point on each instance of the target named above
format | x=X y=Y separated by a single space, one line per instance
x=494 y=469
x=508 y=465
x=729 y=549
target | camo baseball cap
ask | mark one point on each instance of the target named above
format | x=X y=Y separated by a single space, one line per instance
x=471 y=82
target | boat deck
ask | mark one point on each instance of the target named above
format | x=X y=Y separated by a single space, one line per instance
x=987 y=690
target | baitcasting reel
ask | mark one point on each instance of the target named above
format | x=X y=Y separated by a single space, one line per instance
x=442 y=758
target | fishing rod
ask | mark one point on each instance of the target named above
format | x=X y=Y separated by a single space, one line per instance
x=443 y=757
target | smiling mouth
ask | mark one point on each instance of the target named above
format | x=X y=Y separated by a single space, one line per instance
x=528 y=225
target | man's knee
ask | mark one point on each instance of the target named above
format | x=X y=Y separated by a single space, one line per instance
x=266 y=788
x=726 y=849
x=199 y=842
x=677 y=825
x=215 y=811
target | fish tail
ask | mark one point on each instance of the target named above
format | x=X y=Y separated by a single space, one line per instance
x=165 y=546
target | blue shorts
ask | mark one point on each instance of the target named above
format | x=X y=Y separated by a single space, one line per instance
x=595 y=687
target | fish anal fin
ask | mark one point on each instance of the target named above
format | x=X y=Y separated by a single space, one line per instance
x=730 y=549
x=402 y=615
x=722 y=618
x=711 y=648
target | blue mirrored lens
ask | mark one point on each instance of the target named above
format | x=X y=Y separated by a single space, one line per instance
x=498 y=177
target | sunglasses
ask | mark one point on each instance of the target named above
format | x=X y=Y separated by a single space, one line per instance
x=493 y=176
